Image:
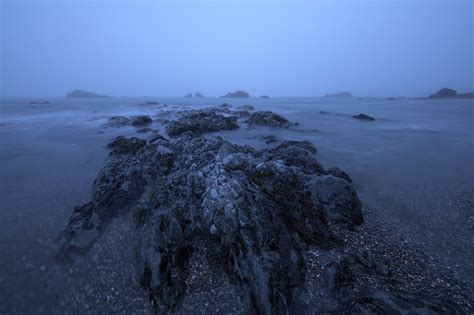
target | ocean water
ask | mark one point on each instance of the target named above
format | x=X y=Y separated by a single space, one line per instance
x=415 y=164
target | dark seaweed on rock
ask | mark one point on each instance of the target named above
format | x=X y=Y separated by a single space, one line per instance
x=259 y=209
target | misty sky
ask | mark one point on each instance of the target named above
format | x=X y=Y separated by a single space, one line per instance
x=277 y=48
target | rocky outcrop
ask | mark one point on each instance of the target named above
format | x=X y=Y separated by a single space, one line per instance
x=236 y=94
x=189 y=95
x=198 y=95
x=340 y=94
x=201 y=121
x=364 y=117
x=450 y=93
x=444 y=92
x=118 y=121
x=271 y=229
x=265 y=96
x=141 y=120
x=274 y=223
x=258 y=209
x=267 y=118
x=121 y=121
x=83 y=94
x=124 y=146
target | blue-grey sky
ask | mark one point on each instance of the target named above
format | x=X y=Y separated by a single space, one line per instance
x=277 y=48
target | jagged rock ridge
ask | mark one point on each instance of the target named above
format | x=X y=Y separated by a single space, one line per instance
x=259 y=209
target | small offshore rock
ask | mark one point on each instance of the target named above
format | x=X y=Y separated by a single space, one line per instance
x=444 y=92
x=364 y=117
x=267 y=118
x=118 y=121
x=236 y=94
x=84 y=94
x=141 y=120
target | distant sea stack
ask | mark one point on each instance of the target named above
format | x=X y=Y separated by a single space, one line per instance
x=236 y=94
x=189 y=95
x=444 y=92
x=198 y=95
x=364 y=117
x=340 y=94
x=84 y=94
x=265 y=96
x=450 y=93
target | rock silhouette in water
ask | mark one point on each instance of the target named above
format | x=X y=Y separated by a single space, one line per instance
x=198 y=95
x=364 y=117
x=84 y=94
x=444 y=92
x=121 y=121
x=450 y=93
x=189 y=95
x=267 y=118
x=236 y=94
x=141 y=120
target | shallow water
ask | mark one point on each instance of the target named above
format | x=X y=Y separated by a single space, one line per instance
x=414 y=163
